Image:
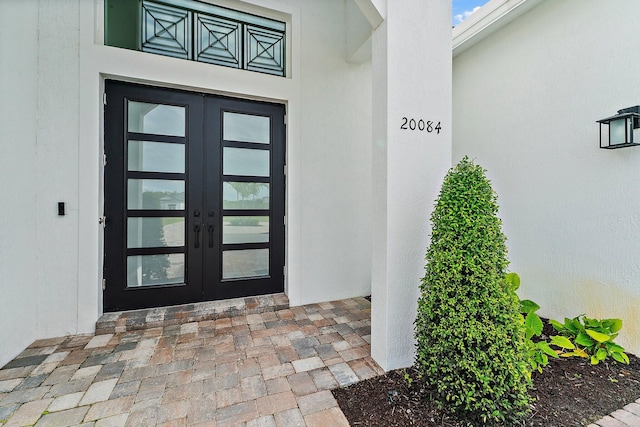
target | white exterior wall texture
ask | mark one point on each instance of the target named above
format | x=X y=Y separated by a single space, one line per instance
x=335 y=161
x=526 y=100
x=53 y=66
x=17 y=232
x=39 y=163
x=412 y=79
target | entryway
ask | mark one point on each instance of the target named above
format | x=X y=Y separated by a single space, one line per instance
x=194 y=197
x=276 y=368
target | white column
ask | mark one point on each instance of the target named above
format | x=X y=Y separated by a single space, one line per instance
x=411 y=64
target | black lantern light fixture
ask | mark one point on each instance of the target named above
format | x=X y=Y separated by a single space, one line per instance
x=621 y=130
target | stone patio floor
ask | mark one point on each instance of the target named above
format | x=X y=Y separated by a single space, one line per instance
x=249 y=362
x=629 y=416
x=274 y=368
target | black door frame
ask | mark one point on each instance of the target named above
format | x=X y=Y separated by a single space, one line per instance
x=203 y=211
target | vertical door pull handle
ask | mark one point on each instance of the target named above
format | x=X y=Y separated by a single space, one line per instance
x=196 y=229
x=210 y=235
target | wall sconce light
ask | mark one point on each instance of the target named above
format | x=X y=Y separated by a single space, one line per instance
x=621 y=129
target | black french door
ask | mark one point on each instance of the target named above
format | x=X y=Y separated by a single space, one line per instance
x=194 y=197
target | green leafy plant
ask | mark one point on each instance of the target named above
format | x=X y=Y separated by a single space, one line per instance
x=589 y=338
x=538 y=350
x=469 y=333
x=407 y=378
x=579 y=337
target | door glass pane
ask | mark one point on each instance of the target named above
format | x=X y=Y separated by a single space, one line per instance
x=157 y=119
x=150 y=156
x=245 y=195
x=246 y=128
x=245 y=263
x=245 y=229
x=155 y=232
x=154 y=270
x=242 y=161
x=155 y=194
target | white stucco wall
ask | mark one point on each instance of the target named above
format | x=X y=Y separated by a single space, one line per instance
x=18 y=235
x=51 y=79
x=335 y=161
x=411 y=87
x=39 y=167
x=526 y=99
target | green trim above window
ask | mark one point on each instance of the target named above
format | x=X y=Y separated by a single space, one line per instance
x=197 y=31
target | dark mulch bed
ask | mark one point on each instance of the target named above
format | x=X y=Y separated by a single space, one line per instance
x=569 y=392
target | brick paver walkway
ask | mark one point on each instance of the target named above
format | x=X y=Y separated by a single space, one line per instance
x=270 y=369
x=629 y=416
x=248 y=362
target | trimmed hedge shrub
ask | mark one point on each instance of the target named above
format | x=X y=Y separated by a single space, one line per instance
x=470 y=335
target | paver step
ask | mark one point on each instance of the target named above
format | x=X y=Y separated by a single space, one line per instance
x=124 y=321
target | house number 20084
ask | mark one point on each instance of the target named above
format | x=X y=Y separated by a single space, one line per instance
x=421 y=125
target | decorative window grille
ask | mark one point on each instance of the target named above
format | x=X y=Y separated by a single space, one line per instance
x=197 y=31
x=166 y=30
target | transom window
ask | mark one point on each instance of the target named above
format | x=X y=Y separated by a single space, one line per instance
x=197 y=31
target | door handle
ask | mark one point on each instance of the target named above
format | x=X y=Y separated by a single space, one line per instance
x=196 y=229
x=210 y=228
